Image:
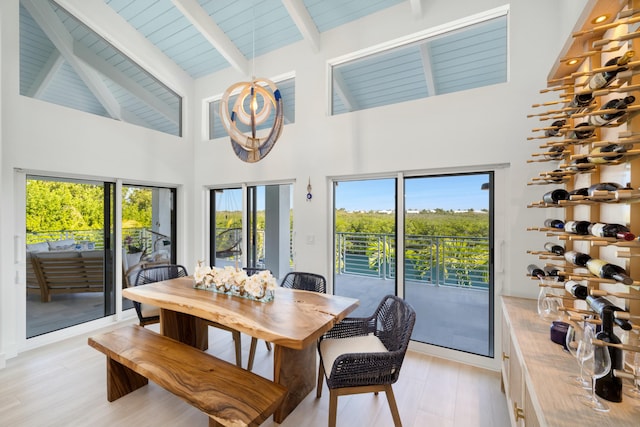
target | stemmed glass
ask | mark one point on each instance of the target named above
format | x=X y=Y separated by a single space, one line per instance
x=575 y=335
x=634 y=390
x=549 y=302
x=597 y=363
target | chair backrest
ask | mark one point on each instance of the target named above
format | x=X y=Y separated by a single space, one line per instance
x=252 y=270
x=394 y=320
x=160 y=272
x=305 y=281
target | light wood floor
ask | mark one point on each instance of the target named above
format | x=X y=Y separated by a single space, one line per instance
x=63 y=384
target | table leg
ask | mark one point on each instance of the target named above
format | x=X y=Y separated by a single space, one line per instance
x=296 y=370
x=184 y=328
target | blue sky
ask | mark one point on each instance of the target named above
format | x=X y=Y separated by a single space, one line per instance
x=459 y=192
x=454 y=192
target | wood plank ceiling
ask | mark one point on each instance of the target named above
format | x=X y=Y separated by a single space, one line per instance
x=63 y=61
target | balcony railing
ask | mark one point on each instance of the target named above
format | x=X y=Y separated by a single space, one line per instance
x=141 y=238
x=438 y=260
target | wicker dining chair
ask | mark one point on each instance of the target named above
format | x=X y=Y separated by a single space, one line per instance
x=293 y=280
x=364 y=355
x=149 y=314
x=305 y=281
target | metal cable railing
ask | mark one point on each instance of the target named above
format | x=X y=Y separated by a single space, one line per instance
x=438 y=260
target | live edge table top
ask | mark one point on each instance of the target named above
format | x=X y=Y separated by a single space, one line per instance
x=294 y=319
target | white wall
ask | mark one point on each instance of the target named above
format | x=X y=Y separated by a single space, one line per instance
x=49 y=139
x=461 y=131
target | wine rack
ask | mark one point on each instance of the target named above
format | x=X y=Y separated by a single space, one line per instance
x=577 y=142
x=572 y=150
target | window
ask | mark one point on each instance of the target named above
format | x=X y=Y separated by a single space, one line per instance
x=462 y=57
x=64 y=62
x=287 y=90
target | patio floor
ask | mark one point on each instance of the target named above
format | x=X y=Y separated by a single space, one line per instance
x=446 y=316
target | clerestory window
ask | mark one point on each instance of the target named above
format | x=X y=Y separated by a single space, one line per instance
x=465 y=55
x=64 y=62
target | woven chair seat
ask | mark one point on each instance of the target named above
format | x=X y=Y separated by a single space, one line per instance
x=364 y=355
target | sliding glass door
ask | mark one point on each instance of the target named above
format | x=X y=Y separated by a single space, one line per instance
x=267 y=224
x=445 y=272
x=69 y=253
x=365 y=241
x=226 y=227
x=148 y=230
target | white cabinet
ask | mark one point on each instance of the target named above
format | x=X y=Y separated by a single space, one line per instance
x=534 y=372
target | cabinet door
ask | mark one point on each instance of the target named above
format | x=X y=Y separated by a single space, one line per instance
x=506 y=343
x=530 y=418
x=515 y=388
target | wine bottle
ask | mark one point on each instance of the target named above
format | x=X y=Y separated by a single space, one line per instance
x=603 y=79
x=609 y=386
x=577 y=227
x=555 y=128
x=584 y=191
x=554 y=196
x=605 y=270
x=603 y=187
x=580 y=165
x=618 y=149
x=554 y=153
x=576 y=289
x=617 y=231
x=578 y=258
x=554 y=248
x=554 y=223
x=578 y=133
x=580 y=101
x=602 y=305
x=535 y=271
x=553 y=271
x=553 y=177
x=619 y=104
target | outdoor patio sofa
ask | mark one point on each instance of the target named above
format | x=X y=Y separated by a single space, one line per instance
x=54 y=268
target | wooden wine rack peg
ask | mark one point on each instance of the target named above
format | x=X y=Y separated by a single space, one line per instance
x=605 y=27
x=630 y=65
x=624 y=37
x=599 y=293
x=625 y=347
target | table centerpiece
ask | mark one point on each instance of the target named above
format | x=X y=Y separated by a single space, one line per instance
x=234 y=281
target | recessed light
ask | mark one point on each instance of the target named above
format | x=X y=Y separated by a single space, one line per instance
x=600 y=19
x=573 y=61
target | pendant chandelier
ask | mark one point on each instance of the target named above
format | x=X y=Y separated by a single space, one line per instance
x=253 y=107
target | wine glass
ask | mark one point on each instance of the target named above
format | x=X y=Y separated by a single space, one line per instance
x=576 y=334
x=548 y=303
x=597 y=364
x=634 y=390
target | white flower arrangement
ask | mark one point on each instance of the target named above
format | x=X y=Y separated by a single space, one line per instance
x=233 y=281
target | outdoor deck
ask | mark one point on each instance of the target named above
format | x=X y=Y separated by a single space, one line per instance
x=447 y=316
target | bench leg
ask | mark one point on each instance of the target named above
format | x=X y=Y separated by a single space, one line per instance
x=122 y=380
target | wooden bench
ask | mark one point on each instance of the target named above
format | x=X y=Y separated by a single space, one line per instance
x=229 y=395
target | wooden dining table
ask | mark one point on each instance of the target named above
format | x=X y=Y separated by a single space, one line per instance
x=292 y=322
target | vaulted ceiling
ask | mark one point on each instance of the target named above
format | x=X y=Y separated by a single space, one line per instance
x=64 y=60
